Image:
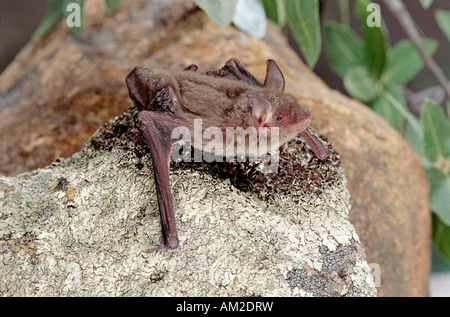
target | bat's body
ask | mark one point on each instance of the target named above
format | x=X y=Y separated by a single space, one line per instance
x=230 y=97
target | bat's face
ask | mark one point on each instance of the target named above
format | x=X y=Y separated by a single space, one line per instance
x=292 y=117
x=279 y=110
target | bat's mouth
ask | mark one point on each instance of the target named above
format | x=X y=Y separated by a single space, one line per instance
x=303 y=124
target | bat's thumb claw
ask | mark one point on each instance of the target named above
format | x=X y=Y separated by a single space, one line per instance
x=172 y=243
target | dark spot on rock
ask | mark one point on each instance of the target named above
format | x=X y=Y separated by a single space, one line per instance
x=62 y=185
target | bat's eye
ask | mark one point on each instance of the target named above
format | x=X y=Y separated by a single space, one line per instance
x=279 y=118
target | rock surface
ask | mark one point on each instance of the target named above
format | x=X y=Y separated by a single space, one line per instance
x=82 y=227
x=58 y=91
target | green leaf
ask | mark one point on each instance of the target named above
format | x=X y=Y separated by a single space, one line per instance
x=443 y=20
x=415 y=138
x=440 y=194
x=359 y=84
x=436 y=131
x=303 y=18
x=441 y=237
x=111 y=4
x=220 y=12
x=388 y=110
x=439 y=263
x=447 y=105
x=426 y=3
x=55 y=12
x=412 y=121
x=404 y=61
x=343 y=46
x=375 y=40
x=250 y=17
x=275 y=11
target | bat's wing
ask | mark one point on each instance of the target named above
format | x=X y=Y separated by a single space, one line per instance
x=157 y=129
x=233 y=69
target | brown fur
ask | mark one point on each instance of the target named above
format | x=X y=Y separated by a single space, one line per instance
x=222 y=102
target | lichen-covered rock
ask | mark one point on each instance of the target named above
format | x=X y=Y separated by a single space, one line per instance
x=83 y=226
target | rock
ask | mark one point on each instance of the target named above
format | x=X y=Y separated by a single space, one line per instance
x=59 y=91
x=82 y=227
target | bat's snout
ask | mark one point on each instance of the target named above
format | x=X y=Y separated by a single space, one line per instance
x=304 y=116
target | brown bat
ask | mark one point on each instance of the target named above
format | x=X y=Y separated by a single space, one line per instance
x=230 y=97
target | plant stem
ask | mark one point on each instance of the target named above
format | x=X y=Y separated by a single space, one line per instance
x=415 y=100
x=400 y=12
x=343 y=12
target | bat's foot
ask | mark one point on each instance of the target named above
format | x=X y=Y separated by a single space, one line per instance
x=172 y=243
x=320 y=150
x=135 y=136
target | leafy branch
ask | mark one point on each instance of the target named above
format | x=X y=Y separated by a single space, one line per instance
x=399 y=10
x=429 y=130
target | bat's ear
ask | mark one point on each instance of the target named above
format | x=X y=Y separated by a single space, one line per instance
x=138 y=84
x=261 y=108
x=274 y=77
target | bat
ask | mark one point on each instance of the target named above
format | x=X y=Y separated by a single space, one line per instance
x=230 y=97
